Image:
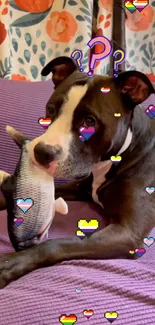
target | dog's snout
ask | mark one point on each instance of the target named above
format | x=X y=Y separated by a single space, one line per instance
x=45 y=153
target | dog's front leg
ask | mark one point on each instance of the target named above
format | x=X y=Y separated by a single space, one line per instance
x=111 y=242
x=79 y=190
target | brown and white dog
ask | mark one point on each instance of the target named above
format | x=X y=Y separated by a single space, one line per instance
x=120 y=189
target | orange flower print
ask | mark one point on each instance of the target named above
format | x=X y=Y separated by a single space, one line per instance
x=98 y=48
x=107 y=4
x=4 y=11
x=61 y=27
x=3 y=32
x=151 y=77
x=18 y=77
x=139 y=21
x=34 y=6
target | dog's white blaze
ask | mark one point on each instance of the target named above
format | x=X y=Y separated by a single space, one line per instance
x=100 y=169
x=59 y=132
x=126 y=142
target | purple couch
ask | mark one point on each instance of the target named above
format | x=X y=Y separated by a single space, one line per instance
x=39 y=298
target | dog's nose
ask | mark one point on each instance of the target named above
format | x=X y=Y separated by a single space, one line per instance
x=44 y=153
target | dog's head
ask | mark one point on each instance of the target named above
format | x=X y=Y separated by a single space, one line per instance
x=79 y=101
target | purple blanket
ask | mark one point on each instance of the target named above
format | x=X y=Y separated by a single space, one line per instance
x=39 y=298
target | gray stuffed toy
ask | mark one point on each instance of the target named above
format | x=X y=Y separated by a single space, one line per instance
x=30 y=198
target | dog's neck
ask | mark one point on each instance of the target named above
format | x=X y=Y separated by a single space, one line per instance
x=127 y=142
x=100 y=169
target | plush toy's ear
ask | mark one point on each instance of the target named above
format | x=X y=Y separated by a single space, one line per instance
x=18 y=137
x=61 y=68
x=3 y=176
x=134 y=87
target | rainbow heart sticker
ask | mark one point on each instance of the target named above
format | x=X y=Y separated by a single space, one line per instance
x=131 y=252
x=87 y=227
x=111 y=316
x=67 y=320
x=88 y=313
x=44 y=122
x=129 y=5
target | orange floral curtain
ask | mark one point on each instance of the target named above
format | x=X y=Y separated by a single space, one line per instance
x=34 y=32
x=139 y=36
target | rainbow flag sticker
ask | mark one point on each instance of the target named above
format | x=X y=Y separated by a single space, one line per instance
x=67 y=320
x=129 y=5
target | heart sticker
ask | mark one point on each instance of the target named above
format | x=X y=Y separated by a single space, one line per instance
x=150 y=111
x=116 y=159
x=150 y=189
x=24 y=205
x=88 y=227
x=117 y=114
x=148 y=241
x=88 y=313
x=131 y=252
x=82 y=138
x=140 y=4
x=134 y=5
x=111 y=316
x=44 y=122
x=68 y=320
x=80 y=234
x=140 y=252
x=86 y=133
x=105 y=90
x=78 y=290
x=18 y=221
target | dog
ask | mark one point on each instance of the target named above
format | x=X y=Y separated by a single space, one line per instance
x=78 y=100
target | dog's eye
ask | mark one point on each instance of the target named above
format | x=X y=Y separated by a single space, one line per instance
x=89 y=121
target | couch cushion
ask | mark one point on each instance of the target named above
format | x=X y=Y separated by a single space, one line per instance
x=21 y=105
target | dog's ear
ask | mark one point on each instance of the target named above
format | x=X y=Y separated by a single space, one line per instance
x=18 y=137
x=134 y=87
x=61 y=68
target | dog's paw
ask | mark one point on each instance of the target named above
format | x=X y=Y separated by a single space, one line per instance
x=12 y=267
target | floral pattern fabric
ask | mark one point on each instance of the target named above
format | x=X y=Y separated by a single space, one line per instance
x=34 y=32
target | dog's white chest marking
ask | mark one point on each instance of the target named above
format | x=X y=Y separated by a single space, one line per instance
x=100 y=169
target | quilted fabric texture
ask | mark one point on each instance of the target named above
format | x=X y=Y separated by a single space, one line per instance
x=39 y=298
